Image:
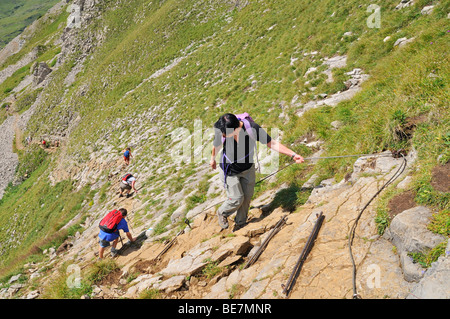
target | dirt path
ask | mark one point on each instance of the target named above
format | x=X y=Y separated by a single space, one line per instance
x=18 y=133
x=9 y=159
x=327 y=272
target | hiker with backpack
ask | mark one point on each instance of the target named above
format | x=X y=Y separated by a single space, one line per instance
x=127 y=155
x=127 y=183
x=110 y=226
x=237 y=135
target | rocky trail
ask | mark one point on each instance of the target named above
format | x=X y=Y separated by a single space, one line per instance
x=207 y=262
x=9 y=159
x=11 y=137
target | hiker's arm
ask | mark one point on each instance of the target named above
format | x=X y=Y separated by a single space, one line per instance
x=130 y=237
x=280 y=148
x=214 y=152
x=132 y=184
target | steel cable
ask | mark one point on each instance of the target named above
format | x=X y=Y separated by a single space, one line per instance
x=353 y=228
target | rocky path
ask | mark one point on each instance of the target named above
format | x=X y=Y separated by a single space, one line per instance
x=11 y=132
x=326 y=274
x=206 y=262
x=8 y=159
x=17 y=133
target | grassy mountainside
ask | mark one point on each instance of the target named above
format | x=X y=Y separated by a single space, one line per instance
x=15 y=16
x=161 y=65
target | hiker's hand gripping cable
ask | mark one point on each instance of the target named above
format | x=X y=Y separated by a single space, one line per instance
x=280 y=148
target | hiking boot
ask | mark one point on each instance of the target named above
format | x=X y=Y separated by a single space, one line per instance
x=223 y=221
x=114 y=252
x=237 y=227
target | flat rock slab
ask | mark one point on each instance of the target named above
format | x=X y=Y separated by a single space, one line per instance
x=408 y=230
x=171 y=284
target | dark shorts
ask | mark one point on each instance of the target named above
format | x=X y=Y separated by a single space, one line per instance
x=104 y=243
x=125 y=186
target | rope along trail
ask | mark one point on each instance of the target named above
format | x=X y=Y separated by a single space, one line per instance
x=353 y=229
x=307 y=159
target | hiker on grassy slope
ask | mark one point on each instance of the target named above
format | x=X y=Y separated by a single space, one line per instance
x=110 y=226
x=237 y=135
x=127 y=155
x=127 y=183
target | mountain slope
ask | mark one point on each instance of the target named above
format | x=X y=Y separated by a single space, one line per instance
x=141 y=73
x=15 y=16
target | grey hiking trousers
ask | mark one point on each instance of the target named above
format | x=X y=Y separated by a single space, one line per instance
x=240 y=189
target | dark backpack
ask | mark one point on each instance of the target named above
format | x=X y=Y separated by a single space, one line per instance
x=125 y=177
x=109 y=223
x=247 y=120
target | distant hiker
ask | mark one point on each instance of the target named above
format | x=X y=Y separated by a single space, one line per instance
x=127 y=155
x=237 y=135
x=110 y=226
x=127 y=183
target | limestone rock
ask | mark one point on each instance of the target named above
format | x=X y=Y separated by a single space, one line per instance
x=14 y=278
x=171 y=284
x=40 y=72
x=404 y=4
x=191 y=263
x=412 y=272
x=427 y=9
x=141 y=283
x=33 y=294
x=435 y=284
x=237 y=246
x=403 y=41
x=353 y=85
x=408 y=231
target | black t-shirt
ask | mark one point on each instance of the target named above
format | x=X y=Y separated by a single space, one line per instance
x=238 y=157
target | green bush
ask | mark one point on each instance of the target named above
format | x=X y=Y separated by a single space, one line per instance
x=426 y=258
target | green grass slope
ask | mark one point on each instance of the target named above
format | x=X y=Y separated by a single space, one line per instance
x=16 y=15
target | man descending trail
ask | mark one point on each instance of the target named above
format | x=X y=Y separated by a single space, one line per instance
x=109 y=231
x=238 y=135
x=127 y=183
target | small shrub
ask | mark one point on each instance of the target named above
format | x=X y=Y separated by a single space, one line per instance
x=101 y=269
x=425 y=259
x=150 y=293
x=211 y=268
